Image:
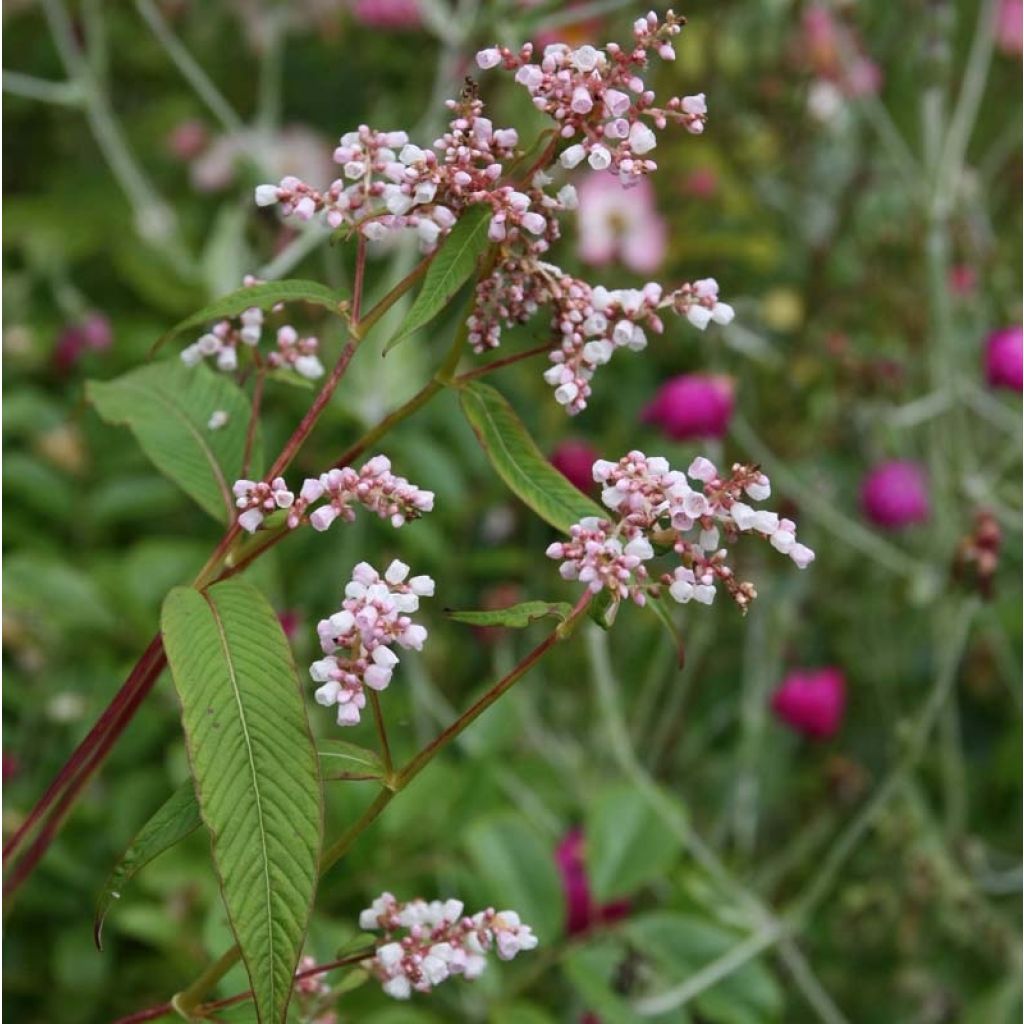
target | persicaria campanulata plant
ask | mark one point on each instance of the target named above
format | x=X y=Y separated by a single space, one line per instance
x=659 y=535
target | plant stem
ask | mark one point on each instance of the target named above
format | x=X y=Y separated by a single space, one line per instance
x=382 y=733
x=482 y=371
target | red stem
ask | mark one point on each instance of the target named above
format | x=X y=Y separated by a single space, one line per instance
x=482 y=371
x=138 y=679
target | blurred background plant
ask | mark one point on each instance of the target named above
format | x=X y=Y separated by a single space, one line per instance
x=818 y=817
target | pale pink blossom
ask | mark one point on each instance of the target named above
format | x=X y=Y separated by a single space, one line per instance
x=440 y=942
x=621 y=223
x=257 y=499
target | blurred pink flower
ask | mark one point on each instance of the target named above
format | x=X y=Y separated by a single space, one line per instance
x=581 y=912
x=11 y=766
x=692 y=405
x=575 y=33
x=395 y=14
x=575 y=460
x=701 y=182
x=835 y=52
x=617 y=222
x=895 y=494
x=812 y=701
x=188 y=139
x=1004 y=358
x=1009 y=27
x=963 y=280
x=92 y=333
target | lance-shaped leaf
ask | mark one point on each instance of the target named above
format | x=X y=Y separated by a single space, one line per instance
x=255 y=770
x=516 y=616
x=263 y=296
x=176 y=819
x=449 y=270
x=340 y=759
x=519 y=462
x=167 y=406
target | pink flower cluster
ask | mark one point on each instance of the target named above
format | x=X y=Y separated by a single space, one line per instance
x=655 y=503
x=589 y=323
x=223 y=339
x=373 y=486
x=439 y=942
x=389 y=184
x=358 y=639
x=313 y=993
x=600 y=98
x=812 y=701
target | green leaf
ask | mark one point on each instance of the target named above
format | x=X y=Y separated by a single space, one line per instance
x=176 y=819
x=516 y=616
x=682 y=944
x=627 y=845
x=518 y=870
x=167 y=406
x=519 y=462
x=449 y=270
x=263 y=296
x=255 y=770
x=342 y=760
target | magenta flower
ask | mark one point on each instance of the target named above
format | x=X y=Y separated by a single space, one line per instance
x=92 y=333
x=895 y=494
x=812 y=701
x=692 y=405
x=620 y=223
x=395 y=14
x=1004 y=359
x=1009 y=28
x=575 y=461
x=581 y=912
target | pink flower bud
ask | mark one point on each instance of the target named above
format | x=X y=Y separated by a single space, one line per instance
x=812 y=702
x=692 y=405
x=93 y=333
x=1003 y=358
x=895 y=494
x=575 y=461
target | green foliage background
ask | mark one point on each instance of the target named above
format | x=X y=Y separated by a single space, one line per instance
x=819 y=232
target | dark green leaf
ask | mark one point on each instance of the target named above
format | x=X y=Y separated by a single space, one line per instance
x=449 y=270
x=167 y=406
x=516 y=616
x=519 y=462
x=176 y=819
x=255 y=769
x=264 y=296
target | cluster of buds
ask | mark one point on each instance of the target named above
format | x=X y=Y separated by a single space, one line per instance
x=600 y=98
x=389 y=184
x=358 y=639
x=221 y=342
x=656 y=505
x=589 y=323
x=439 y=942
x=313 y=994
x=257 y=499
x=374 y=487
x=298 y=354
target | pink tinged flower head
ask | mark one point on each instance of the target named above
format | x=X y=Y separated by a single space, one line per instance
x=188 y=139
x=619 y=222
x=895 y=494
x=1010 y=27
x=575 y=461
x=582 y=912
x=692 y=405
x=812 y=702
x=1003 y=358
x=393 y=14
